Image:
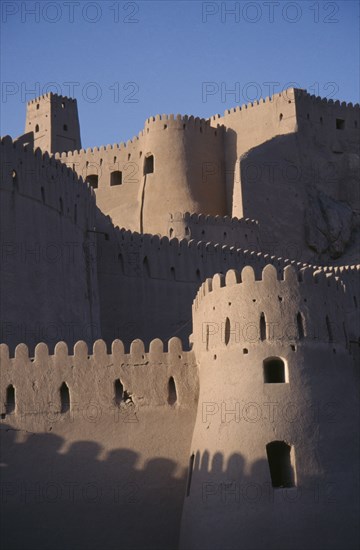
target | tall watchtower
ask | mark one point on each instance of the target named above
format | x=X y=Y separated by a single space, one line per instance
x=54 y=120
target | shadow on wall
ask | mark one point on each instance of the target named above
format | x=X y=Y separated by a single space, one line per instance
x=296 y=191
x=78 y=500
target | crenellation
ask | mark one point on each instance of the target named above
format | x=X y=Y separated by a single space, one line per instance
x=197 y=279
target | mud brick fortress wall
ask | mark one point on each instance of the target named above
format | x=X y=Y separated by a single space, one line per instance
x=180 y=330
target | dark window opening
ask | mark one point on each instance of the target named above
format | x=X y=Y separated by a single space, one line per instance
x=191 y=468
x=172 y=396
x=245 y=351
x=37 y=128
x=10 y=399
x=172 y=273
x=65 y=127
x=321 y=120
x=227 y=331
x=198 y=275
x=116 y=178
x=118 y=392
x=279 y=459
x=274 y=370
x=300 y=326
x=308 y=116
x=171 y=232
x=93 y=180
x=340 y=124
x=262 y=327
x=149 y=165
x=61 y=206
x=146 y=267
x=38 y=106
x=64 y=398
x=329 y=330
x=355 y=123
x=281 y=116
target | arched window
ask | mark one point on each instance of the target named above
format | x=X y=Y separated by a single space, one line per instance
x=93 y=180
x=274 y=371
x=116 y=178
x=118 y=392
x=279 y=459
x=37 y=128
x=149 y=164
x=10 y=399
x=262 y=327
x=64 y=398
x=172 y=396
x=300 y=325
x=227 y=331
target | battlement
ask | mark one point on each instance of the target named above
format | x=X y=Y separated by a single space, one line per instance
x=205 y=219
x=182 y=259
x=270 y=276
x=241 y=233
x=298 y=305
x=49 y=96
x=303 y=95
x=144 y=375
x=39 y=176
x=289 y=96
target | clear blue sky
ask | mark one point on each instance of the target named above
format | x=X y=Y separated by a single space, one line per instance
x=162 y=54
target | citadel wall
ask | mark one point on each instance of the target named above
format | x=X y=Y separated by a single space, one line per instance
x=246 y=329
x=170 y=162
x=48 y=281
x=292 y=163
x=147 y=284
x=103 y=434
x=243 y=233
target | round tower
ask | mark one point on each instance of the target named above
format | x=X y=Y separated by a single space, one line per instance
x=273 y=456
x=182 y=169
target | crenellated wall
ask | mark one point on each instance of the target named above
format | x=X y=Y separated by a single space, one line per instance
x=48 y=280
x=102 y=453
x=187 y=153
x=147 y=284
x=243 y=233
x=274 y=366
